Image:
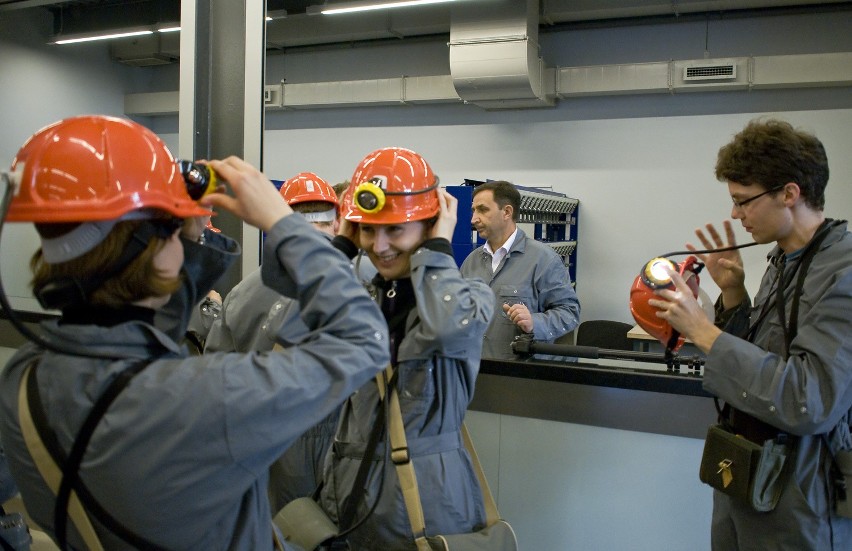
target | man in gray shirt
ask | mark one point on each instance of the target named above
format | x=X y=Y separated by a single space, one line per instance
x=531 y=282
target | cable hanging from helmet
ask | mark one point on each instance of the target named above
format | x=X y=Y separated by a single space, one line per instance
x=710 y=251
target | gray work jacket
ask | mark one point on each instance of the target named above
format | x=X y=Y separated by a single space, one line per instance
x=255 y=318
x=807 y=395
x=533 y=274
x=438 y=362
x=182 y=456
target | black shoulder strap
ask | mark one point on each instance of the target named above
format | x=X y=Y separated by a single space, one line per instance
x=790 y=332
x=359 y=487
x=807 y=258
x=71 y=463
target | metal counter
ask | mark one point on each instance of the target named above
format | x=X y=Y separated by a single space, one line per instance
x=620 y=394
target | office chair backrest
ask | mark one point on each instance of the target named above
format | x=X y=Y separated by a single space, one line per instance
x=604 y=334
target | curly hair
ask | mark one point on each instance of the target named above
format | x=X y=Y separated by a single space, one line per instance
x=771 y=153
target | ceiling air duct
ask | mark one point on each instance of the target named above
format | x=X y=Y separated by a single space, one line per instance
x=494 y=57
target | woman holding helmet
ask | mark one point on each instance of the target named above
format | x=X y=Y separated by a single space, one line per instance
x=179 y=458
x=395 y=212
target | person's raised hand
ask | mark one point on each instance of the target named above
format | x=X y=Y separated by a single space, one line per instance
x=349 y=230
x=194 y=226
x=447 y=216
x=255 y=199
x=726 y=267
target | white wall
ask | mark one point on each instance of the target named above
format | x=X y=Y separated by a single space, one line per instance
x=564 y=486
x=644 y=184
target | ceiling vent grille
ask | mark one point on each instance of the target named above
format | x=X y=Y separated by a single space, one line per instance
x=725 y=71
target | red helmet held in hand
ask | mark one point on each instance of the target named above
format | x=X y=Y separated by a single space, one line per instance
x=652 y=277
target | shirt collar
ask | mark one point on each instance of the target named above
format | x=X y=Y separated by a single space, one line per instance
x=507 y=245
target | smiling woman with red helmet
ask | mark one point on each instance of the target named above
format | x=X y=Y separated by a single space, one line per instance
x=395 y=212
x=179 y=458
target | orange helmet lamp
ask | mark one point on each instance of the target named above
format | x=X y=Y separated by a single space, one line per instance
x=369 y=197
x=199 y=178
x=655 y=275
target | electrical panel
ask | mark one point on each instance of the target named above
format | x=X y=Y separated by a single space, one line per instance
x=552 y=215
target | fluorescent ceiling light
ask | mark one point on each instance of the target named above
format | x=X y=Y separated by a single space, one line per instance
x=368 y=5
x=71 y=39
x=171 y=29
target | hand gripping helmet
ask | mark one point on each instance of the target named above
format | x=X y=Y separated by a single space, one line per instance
x=391 y=186
x=94 y=168
x=652 y=277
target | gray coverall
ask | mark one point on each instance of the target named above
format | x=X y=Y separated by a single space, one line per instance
x=807 y=395
x=438 y=361
x=182 y=455
x=253 y=318
x=532 y=273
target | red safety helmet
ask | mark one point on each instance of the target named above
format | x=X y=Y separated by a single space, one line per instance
x=307 y=186
x=654 y=276
x=92 y=168
x=391 y=186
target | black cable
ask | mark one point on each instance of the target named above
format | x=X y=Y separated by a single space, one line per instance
x=708 y=251
x=385 y=460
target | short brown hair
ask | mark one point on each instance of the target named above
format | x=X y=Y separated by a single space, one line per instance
x=136 y=281
x=772 y=153
x=340 y=189
x=504 y=193
x=312 y=206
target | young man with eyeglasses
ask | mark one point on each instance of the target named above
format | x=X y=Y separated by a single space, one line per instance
x=782 y=365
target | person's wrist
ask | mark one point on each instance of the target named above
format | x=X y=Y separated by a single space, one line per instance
x=733 y=297
x=705 y=337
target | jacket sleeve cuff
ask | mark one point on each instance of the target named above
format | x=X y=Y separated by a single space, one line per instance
x=438 y=244
x=344 y=245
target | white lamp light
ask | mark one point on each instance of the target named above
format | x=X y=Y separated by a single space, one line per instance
x=105 y=35
x=368 y=5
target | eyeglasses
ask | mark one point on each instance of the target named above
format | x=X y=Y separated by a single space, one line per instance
x=744 y=202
